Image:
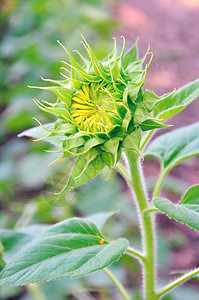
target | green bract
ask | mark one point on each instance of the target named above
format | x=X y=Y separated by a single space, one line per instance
x=101 y=109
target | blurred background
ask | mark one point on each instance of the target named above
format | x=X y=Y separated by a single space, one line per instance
x=29 y=30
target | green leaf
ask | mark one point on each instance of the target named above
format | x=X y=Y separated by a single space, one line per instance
x=130 y=56
x=101 y=218
x=133 y=88
x=95 y=141
x=176 y=146
x=69 y=249
x=12 y=241
x=185 y=213
x=177 y=101
x=39 y=133
x=86 y=167
x=191 y=196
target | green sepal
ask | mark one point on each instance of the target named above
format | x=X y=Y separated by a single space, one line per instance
x=130 y=106
x=139 y=98
x=132 y=141
x=150 y=100
x=76 y=70
x=131 y=125
x=63 y=93
x=141 y=114
x=130 y=56
x=115 y=70
x=70 y=143
x=63 y=83
x=86 y=167
x=112 y=146
x=150 y=124
x=93 y=142
x=81 y=141
x=121 y=109
x=126 y=122
x=134 y=88
x=116 y=131
x=98 y=67
x=58 y=112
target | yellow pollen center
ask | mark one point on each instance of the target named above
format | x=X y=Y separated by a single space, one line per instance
x=91 y=108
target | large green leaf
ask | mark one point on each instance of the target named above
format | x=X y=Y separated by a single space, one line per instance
x=39 y=133
x=176 y=146
x=101 y=218
x=177 y=101
x=12 y=241
x=187 y=211
x=71 y=248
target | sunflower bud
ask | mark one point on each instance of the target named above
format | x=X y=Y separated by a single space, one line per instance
x=101 y=109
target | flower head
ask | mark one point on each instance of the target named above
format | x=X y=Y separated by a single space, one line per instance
x=101 y=109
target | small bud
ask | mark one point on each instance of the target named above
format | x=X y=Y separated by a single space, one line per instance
x=101 y=241
x=60 y=159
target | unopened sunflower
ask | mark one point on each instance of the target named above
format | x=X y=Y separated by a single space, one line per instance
x=101 y=110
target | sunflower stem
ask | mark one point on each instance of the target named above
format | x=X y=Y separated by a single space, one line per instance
x=135 y=254
x=159 y=183
x=146 y=138
x=117 y=283
x=123 y=171
x=147 y=225
x=175 y=283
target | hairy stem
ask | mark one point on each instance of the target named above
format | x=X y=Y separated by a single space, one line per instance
x=145 y=138
x=159 y=183
x=123 y=171
x=147 y=225
x=135 y=254
x=117 y=284
x=175 y=283
x=185 y=277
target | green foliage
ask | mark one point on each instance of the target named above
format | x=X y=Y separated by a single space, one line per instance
x=176 y=146
x=177 y=101
x=72 y=248
x=186 y=211
x=12 y=242
x=28 y=37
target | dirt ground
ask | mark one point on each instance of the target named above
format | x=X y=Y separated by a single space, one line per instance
x=171 y=28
